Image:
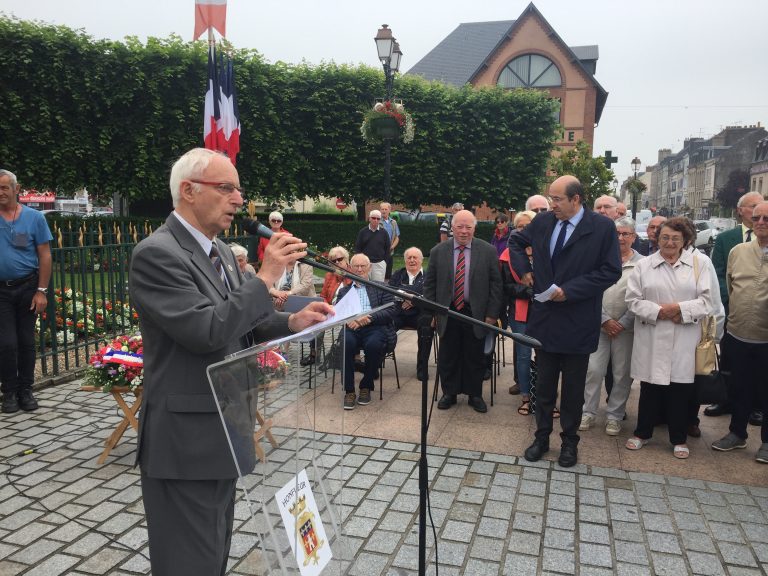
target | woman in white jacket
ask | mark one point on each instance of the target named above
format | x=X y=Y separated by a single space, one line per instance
x=668 y=294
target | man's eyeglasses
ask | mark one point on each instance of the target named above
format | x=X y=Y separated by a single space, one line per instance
x=337 y=260
x=223 y=187
x=276 y=221
x=537 y=210
x=762 y=217
x=374 y=218
x=625 y=234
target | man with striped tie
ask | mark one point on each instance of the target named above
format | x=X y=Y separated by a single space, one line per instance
x=463 y=274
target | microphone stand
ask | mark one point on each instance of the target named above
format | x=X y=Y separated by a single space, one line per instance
x=425 y=333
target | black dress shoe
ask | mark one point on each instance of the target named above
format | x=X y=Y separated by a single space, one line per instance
x=421 y=377
x=27 y=400
x=717 y=409
x=487 y=374
x=10 y=403
x=568 y=455
x=535 y=451
x=478 y=404
x=756 y=418
x=446 y=401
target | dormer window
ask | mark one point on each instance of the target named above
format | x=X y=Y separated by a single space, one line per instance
x=530 y=71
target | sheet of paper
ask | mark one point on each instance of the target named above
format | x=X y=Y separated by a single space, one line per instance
x=546 y=296
x=345 y=308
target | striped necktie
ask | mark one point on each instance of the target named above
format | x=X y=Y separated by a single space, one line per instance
x=458 y=283
x=216 y=261
x=749 y=235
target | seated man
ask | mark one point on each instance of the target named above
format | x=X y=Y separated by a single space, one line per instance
x=411 y=279
x=372 y=333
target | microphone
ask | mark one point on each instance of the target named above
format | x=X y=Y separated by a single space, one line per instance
x=256 y=228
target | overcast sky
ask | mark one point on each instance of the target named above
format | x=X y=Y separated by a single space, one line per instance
x=672 y=68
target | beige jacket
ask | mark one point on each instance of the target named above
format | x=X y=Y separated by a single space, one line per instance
x=747 y=281
x=663 y=351
x=614 y=305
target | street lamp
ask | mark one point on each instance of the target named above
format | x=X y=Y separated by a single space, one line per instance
x=636 y=162
x=390 y=56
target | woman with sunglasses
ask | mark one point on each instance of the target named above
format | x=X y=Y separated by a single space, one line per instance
x=500 y=235
x=339 y=257
x=276 y=225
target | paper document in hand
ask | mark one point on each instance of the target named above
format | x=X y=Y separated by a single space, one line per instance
x=345 y=308
x=546 y=296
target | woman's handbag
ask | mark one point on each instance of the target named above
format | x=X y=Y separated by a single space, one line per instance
x=711 y=388
x=706 y=352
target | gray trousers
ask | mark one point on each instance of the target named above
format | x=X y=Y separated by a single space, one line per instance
x=619 y=351
x=189 y=523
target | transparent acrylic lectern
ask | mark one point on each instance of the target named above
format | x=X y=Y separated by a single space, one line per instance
x=285 y=431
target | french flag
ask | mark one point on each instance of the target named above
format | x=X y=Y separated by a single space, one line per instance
x=228 y=126
x=212 y=113
x=210 y=14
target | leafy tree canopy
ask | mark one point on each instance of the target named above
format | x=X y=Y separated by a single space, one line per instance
x=735 y=187
x=113 y=116
x=593 y=174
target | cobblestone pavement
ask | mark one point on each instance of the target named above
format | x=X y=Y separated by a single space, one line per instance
x=61 y=513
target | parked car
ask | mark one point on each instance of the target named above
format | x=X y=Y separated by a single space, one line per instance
x=705 y=235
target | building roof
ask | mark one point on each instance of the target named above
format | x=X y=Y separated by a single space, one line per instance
x=461 y=55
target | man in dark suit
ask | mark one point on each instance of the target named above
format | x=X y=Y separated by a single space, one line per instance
x=724 y=243
x=194 y=308
x=463 y=273
x=651 y=244
x=373 y=333
x=411 y=279
x=576 y=257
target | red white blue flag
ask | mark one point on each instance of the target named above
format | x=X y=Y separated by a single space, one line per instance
x=228 y=126
x=212 y=113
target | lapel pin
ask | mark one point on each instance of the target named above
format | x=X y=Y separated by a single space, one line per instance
x=229 y=267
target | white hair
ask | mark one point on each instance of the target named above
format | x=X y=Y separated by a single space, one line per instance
x=11 y=177
x=238 y=250
x=375 y=213
x=191 y=165
x=275 y=216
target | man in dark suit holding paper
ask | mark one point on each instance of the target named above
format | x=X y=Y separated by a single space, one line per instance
x=576 y=257
x=195 y=308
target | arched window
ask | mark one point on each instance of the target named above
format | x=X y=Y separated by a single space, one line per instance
x=530 y=71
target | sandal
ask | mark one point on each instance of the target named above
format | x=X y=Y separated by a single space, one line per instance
x=681 y=451
x=635 y=443
x=525 y=408
x=555 y=413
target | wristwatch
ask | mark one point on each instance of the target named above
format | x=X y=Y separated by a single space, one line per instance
x=43 y=290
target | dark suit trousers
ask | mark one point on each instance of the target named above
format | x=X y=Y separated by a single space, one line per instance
x=573 y=368
x=749 y=366
x=373 y=341
x=189 y=524
x=461 y=360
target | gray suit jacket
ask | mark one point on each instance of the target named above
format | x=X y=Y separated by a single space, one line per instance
x=485 y=290
x=188 y=321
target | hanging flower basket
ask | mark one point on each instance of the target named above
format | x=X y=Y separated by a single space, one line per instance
x=387 y=121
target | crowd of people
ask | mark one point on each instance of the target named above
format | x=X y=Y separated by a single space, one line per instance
x=608 y=307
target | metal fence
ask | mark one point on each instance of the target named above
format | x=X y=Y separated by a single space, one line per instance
x=89 y=301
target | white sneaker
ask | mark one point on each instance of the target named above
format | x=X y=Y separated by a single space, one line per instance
x=586 y=421
x=613 y=427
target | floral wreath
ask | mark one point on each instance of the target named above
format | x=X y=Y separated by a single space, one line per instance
x=387 y=109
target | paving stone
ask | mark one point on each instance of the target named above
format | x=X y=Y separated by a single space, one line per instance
x=632 y=570
x=524 y=542
x=515 y=565
x=366 y=564
x=593 y=497
x=383 y=542
x=736 y=554
x=465 y=512
x=630 y=552
x=595 y=555
x=458 y=531
x=560 y=561
x=493 y=527
x=56 y=564
x=666 y=565
x=653 y=505
x=726 y=532
x=597 y=514
x=562 y=502
x=562 y=487
x=471 y=495
x=662 y=542
x=559 y=539
x=487 y=548
x=705 y=564
x=532 y=504
x=453 y=554
x=658 y=523
x=103 y=561
x=533 y=488
x=559 y=519
x=686 y=521
x=527 y=522
x=477 y=567
x=36 y=551
x=595 y=533
x=30 y=533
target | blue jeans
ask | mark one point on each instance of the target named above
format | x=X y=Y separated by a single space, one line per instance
x=523 y=362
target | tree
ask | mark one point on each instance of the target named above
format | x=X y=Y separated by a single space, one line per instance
x=113 y=116
x=735 y=187
x=593 y=174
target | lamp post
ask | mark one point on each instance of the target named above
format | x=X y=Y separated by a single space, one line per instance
x=389 y=55
x=636 y=162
